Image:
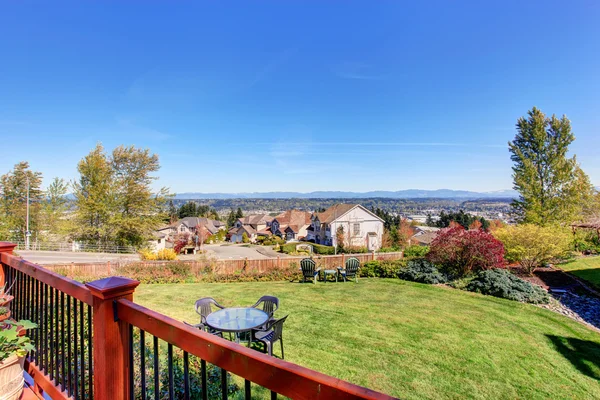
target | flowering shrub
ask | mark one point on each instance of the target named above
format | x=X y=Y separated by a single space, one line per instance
x=163 y=254
x=461 y=251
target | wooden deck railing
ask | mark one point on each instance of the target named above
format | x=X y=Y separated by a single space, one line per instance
x=94 y=342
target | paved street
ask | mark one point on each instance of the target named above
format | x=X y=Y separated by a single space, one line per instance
x=219 y=251
x=233 y=252
x=65 y=257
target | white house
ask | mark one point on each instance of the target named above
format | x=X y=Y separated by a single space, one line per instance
x=361 y=227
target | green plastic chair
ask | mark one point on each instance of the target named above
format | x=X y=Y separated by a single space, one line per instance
x=350 y=270
x=307 y=266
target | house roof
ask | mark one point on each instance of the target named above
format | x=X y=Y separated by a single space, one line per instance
x=192 y=222
x=244 y=228
x=338 y=210
x=424 y=238
x=255 y=219
x=294 y=217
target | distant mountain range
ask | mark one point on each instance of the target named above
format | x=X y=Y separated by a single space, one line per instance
x=400 y=194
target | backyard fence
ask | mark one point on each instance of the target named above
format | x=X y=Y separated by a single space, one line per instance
x=223 y=266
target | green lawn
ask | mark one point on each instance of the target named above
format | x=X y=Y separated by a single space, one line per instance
x=416 y=341
x=587 y=268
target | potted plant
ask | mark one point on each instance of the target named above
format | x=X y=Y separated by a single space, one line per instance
x=4 y=313
x=5 y=298
x=14 y=346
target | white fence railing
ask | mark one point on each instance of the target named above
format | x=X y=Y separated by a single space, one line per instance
x=76 y=247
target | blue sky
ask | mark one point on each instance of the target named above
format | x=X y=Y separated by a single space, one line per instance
x=297 y=95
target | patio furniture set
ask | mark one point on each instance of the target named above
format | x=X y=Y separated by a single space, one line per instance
x=255 y=324
x=310 y=272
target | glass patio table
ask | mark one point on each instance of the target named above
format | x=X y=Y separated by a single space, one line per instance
x=237 y=320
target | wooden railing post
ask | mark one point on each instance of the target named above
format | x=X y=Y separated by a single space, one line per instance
x=5 y=247
x=111 y=338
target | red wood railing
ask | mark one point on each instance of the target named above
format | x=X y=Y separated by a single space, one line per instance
x=113 y=332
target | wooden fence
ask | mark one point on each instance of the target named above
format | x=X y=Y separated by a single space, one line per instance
x=223 y=266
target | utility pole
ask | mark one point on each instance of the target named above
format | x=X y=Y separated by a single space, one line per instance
x=27 y=233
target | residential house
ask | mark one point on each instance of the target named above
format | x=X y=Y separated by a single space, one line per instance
x=291 y=224
x=361 y=227
x=424 y=235
x=158 y=241
x=203 y=227
x=252 y=225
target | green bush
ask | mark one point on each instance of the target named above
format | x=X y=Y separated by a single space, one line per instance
x=416 y=251
x=322 y=249
x=421 y=270
x=502 y=283
x=381 y=269
x=388 y=250
x=352 y=249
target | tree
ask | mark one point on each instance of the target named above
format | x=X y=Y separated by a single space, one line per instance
x=231 y=218
x=340 y=238
x=95 y=197
x=55 y=207
x=239 y=213
x=552 y=187
x=461 y=251
x=245 y=238
x=533 y=245
x=13 y=202
x=114 y=198
x=462 y=218
x=173 y=214
x=405 y=232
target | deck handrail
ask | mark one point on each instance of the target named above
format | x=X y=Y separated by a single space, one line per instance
x=62 y=283
x=280 y=376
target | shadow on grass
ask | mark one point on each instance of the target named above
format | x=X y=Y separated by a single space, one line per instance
x=583 y=354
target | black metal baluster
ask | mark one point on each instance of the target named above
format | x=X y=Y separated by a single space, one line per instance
x=170 y=363
x=18 y=295
x=50 y=333
x=57 y=339
x=82 y=353
x=69 y=347
x=156 y=371
x=131 y=366
x=62 y=340
x=247 y=390
x=223 y=384
x=143 y=362
x=186 y=376
x=90 y=358
x=26 y=297
x=203 y=373
x=35 y=332
x=43 y=327
x=75 y=349
x=273 y=395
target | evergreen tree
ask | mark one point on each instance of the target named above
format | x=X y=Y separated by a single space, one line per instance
x=231 y=218
x=54 y=207
x=13 y=202
x=552 y=187
x=239 y=213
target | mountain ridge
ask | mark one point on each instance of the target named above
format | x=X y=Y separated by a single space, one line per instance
x=400 y=194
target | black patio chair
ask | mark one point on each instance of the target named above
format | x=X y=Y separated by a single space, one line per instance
x=270 y=304
x=307 y=266
x=268 y=336
x=350 y=270
x=204 y=308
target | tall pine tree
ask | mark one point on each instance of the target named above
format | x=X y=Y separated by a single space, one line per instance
x=552 y=186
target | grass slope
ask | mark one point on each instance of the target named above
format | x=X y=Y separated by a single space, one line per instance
x=416 y=341
x=587 y=268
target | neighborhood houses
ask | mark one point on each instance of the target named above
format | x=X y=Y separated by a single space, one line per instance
x=356 y=225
